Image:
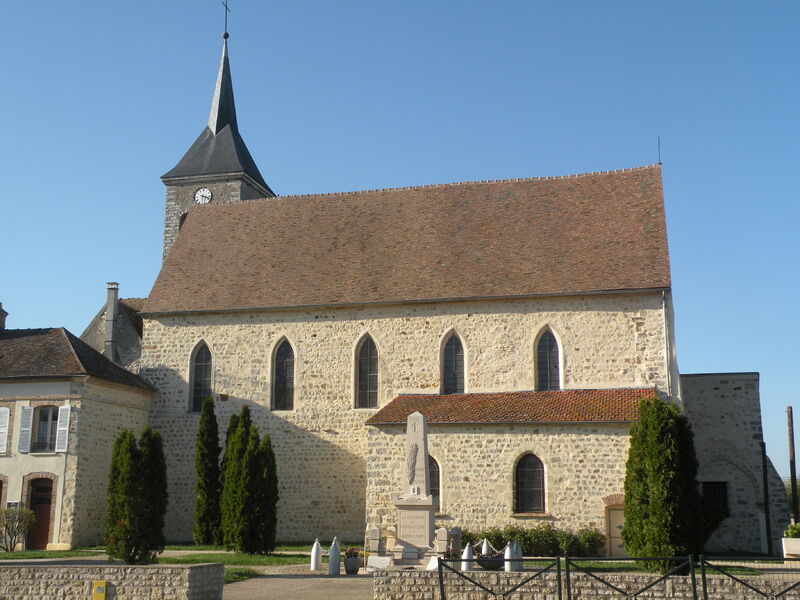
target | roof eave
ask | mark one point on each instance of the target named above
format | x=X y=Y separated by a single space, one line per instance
x=157 y=313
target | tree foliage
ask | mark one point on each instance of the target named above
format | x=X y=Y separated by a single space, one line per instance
x=14 y=523
x=206 y=528
x=665 y=514
x=137 y=498
x=250 y=488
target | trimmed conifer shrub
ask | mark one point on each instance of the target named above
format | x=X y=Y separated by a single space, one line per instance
x=153 y=494
x=664 y=512
x=137 y=498
x=268 y=500
x=206 y=528
x=232 y=501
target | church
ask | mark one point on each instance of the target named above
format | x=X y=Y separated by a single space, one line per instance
x=525 y=319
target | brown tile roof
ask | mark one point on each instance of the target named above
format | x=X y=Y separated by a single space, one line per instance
x=565 y=406
x=525 y=237
x=55 y=352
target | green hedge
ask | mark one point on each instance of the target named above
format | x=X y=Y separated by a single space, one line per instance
x=541 y=540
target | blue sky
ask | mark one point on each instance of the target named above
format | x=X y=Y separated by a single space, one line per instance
x=102 y=98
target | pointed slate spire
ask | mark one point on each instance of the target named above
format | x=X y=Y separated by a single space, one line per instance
x=219 y=149
x=223 y=109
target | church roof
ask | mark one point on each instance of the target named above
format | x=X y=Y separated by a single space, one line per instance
x=55 y=352
x=219 y=149
x=564 y=406
x=596 y=232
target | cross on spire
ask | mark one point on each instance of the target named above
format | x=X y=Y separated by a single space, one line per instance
x=227 y=10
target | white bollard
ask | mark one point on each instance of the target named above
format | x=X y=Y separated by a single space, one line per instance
x=466 y=558
x=333 y=558
x=508 y=554
x=486 y=548
x=516 y=550
x=316 y=556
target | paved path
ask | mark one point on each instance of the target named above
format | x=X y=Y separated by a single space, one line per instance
x=278 y=583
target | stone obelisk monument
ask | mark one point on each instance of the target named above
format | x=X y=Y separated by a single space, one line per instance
x=415 y=504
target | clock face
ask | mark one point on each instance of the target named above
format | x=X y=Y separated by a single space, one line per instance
x=202 y=196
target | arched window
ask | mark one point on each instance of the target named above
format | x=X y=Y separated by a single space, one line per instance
x=547 y=375
x=453 y=366
x=433 y=474
x=529 y=485
x=45 y=422
x=367 y=375
x=283 y=398
x=201 y=375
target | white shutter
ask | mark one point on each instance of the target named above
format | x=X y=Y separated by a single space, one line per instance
x=62 y=433
x=4 y=416
x=25 y=424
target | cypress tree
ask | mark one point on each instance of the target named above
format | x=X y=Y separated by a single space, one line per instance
x=206 y=528
x=122 y=526
x=268 y=496
x=153 y=496
x=232 y=505
x=663 y=509
x=250 y=483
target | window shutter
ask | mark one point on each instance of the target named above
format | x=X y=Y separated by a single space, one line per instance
x=62 y=432
x=26 y=421
x=4 y=417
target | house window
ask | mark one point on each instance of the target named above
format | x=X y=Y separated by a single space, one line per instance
x=453 y=367
x=716 y=494
x=547 y=375
x=284 y=377
x=433 y=478
x=529 y=484
x=201 y=376
x=46 y=422
x=367 y=376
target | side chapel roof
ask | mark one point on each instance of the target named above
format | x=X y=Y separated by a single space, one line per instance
x=563 y=406
x=55 y=352
x=595 y=232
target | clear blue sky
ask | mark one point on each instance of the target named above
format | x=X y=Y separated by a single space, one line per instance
x=101 y=98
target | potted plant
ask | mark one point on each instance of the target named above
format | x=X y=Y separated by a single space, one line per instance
x=791 y=541
x=352 y=560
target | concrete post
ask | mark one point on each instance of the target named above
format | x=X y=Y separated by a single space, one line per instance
x=316 y=556
x=466 y=558
x=333 y=558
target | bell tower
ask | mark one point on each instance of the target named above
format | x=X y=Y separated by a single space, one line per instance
x=218 y=167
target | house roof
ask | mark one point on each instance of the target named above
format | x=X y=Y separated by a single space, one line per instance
x=564 y=406
x=514 y=238
x=55 y=352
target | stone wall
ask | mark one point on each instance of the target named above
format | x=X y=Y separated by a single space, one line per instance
x=725 y=412
x=606 y=341
x=105 y=409
x=582 y=463
x=125 y=582
x=424 y=585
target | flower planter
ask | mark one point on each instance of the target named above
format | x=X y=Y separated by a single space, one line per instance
x=352 y=565
x=791 y=547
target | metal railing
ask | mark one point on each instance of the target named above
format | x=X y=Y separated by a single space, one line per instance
x=754 y=577
x=536 y=566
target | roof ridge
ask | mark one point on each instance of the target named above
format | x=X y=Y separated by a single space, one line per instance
x=438 y=185
x=66 y=335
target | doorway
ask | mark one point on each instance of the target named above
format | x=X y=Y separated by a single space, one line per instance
x=615 y=517
x=41 y=500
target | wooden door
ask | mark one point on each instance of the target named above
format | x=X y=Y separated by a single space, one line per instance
x=616 y=520
x=41 y=498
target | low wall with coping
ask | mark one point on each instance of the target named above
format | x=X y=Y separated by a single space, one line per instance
x=424 y=585
x=124 y=582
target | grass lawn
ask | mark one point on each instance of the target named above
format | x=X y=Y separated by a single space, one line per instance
x=237 y=558
x=235 y=574
x=280 y=546
x=26 y=554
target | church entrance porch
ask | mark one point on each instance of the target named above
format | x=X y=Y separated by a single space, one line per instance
x=41 y=500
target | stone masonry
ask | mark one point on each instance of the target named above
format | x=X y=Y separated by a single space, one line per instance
x=606 y=341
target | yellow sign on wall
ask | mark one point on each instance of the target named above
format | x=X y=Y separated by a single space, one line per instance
x=98 y=590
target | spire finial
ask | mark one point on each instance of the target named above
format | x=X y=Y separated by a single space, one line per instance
x=227 y=10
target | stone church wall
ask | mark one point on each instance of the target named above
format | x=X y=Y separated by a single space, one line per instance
x=725 y=412
x=582 y=464
x=606 y=341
